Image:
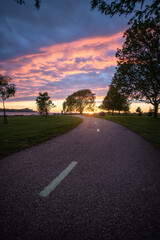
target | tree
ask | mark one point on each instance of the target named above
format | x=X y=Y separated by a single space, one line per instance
x=126 y=108
x=138 y=72
x=44 y=104
x=7 y=90
x=109 y=102
x=115 y=100
x=64 y=106
x=102 y=107
x=37 y=3
x=126 y=7
x=80 y=101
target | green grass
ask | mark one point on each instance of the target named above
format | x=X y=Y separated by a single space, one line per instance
x=146 y=127
x=25 y=131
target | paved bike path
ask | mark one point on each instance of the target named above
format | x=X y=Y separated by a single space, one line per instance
x=112 y=192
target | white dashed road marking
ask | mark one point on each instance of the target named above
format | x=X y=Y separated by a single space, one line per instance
x=46 y=191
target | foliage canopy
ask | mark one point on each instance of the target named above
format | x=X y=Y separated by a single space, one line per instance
x=115 y=101
x=44 y=104
x=80 y=101
x=146 y=9
x=37 y=3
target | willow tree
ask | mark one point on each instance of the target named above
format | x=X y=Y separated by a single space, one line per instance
x=80 y=101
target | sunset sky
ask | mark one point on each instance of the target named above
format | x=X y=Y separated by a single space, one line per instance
x=62 y=48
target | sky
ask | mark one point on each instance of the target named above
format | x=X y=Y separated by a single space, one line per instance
x=62 y=48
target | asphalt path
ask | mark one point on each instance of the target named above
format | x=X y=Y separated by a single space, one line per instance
x=111 y=190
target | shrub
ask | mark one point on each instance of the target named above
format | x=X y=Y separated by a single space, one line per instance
x=150 y=113
x=102 y=114
x=139 y=111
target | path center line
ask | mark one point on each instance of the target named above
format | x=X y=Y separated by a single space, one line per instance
x=47 y=190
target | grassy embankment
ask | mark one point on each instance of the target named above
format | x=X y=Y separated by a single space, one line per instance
x=25 y=131
x=146 y=127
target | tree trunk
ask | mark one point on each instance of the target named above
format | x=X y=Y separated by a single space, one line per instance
x=155 y=110
x=81 y=109
x=46 y=113
x=112 y=112
x=119 y=112
x=4 y=114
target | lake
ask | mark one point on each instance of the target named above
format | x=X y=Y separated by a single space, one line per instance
x=23 y=113
x=19 y=113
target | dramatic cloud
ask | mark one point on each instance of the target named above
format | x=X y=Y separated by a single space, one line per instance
x=24 y=30
x=62 y=48
x=64 y=68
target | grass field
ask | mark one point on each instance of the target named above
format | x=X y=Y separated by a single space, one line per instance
x=25 y=131
x=147 y=127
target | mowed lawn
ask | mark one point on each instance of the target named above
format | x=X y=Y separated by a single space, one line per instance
x=146 y=127
x=25 y=131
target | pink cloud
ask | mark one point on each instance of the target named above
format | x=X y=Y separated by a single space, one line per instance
x=57 y=63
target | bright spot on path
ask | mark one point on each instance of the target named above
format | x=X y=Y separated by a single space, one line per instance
x=46 y=191
x=98 y=130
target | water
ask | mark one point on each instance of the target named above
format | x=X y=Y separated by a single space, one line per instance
x=19 y=113
x=24 y=113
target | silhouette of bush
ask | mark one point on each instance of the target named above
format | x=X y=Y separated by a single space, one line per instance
x=150 y=113
x=101 y=114
x=139 y=111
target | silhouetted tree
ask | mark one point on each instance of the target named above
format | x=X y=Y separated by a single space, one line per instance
x=44 y=104
x=64 y=106
x=147 y=9
x=114 y=100
x=80 y=101
x=102 y=107
x=7 y=90
x=126 y=108
x=138 y=72
x=37 y=3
